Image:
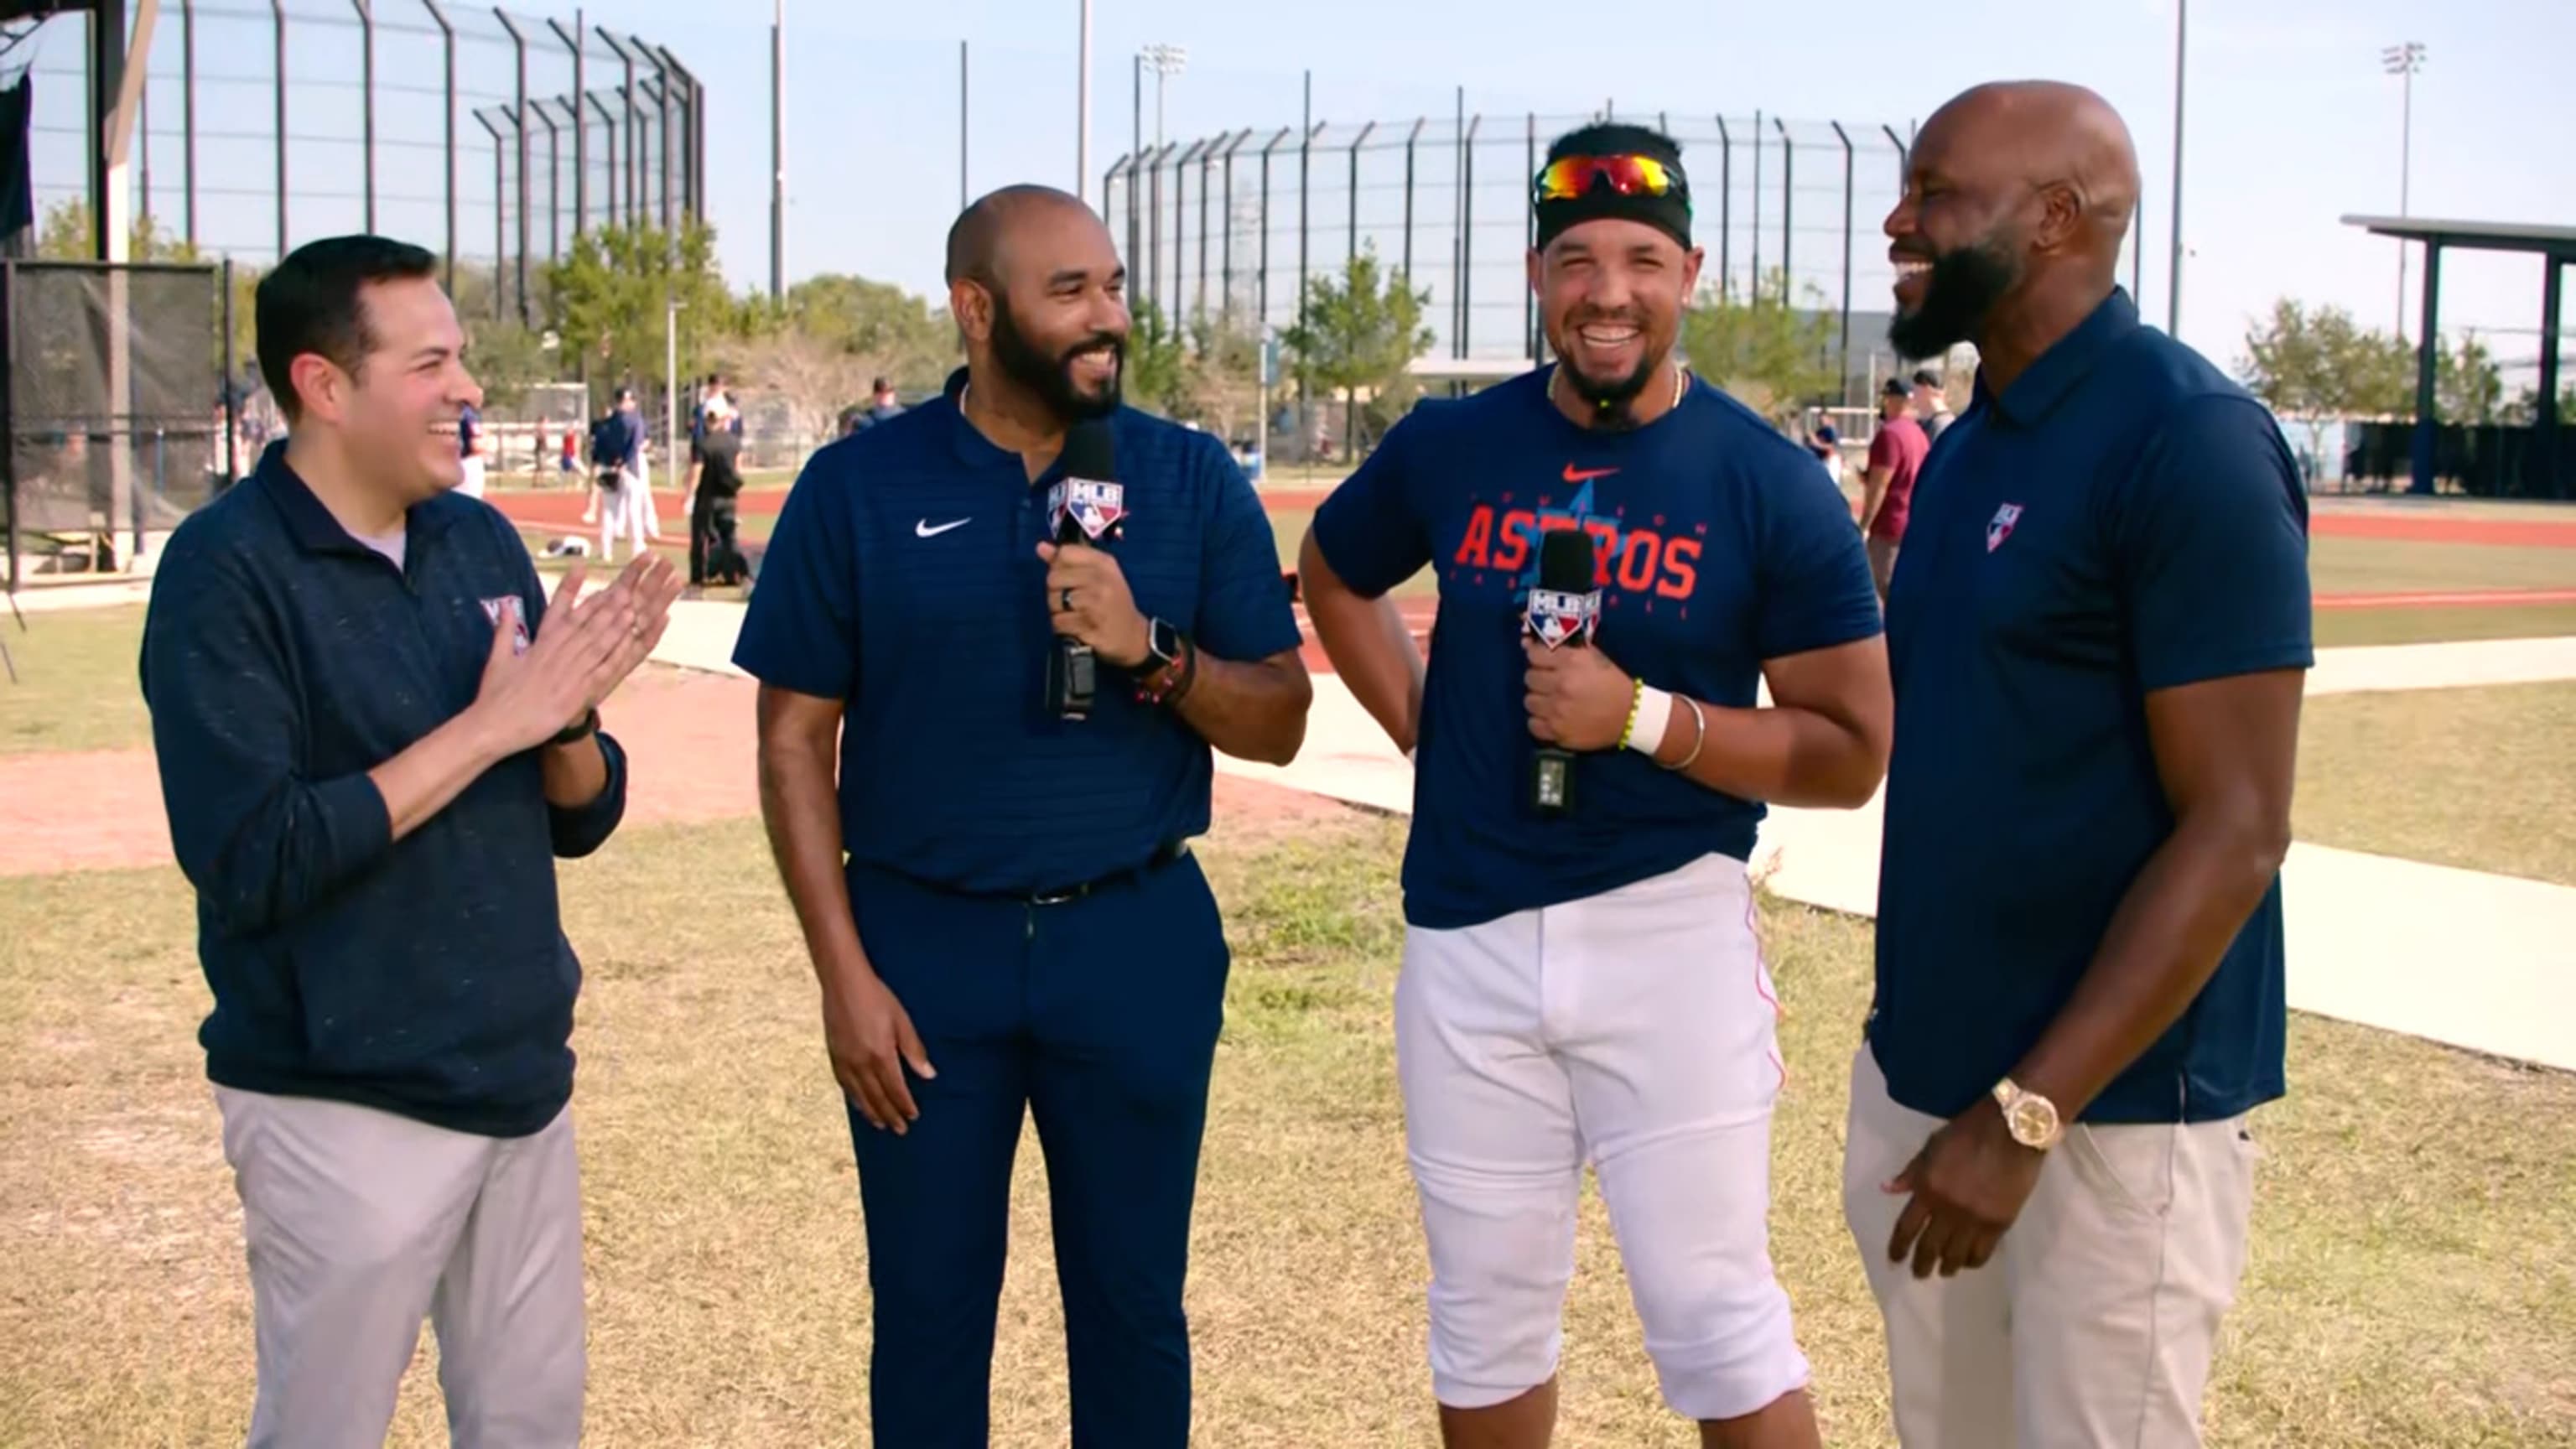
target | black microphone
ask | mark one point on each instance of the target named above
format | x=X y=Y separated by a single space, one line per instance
x=1084 y=507
x=1562 y=613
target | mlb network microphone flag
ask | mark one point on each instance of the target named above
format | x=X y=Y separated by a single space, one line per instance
x=1563 y=611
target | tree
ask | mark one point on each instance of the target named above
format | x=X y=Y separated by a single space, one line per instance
x=895 y=334
x=1765 y=352
x=70 y=234
x=2312 y=366
x=1154 y=374
x=506 y=358
x=1360 y=330
x=609 y=295
x=2466 y=382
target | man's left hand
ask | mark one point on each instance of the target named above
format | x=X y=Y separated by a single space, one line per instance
x=1969 y=1183
x=1086 y=597
x=1577 y=698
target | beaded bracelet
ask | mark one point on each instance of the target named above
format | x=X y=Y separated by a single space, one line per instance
x=1636 y=697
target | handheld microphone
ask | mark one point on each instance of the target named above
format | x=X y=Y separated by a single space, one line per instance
x=1562 y=613
x=1085 y=508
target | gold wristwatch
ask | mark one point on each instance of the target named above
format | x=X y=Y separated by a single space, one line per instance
x=2030 y=1117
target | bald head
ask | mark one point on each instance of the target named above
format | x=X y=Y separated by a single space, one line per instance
x=976 y=239
x=2060 y=144
x=2015 y=191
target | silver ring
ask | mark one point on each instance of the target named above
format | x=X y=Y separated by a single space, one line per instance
x=1064 y=600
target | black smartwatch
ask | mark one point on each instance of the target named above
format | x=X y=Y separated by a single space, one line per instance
x=579 y=730
x=1162 y=646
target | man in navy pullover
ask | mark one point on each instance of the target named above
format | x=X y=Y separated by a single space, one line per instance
x=374 y=735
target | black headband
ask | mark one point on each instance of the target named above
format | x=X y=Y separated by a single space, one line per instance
x=1669 y=213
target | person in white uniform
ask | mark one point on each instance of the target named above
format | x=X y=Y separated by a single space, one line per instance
x=1587 y=984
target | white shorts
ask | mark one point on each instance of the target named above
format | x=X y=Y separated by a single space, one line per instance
x=1633 y=1030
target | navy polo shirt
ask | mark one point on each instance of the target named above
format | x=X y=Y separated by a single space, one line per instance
x=282 y=660
x=903 y=579
x=2122 y=519
x=1717 y=544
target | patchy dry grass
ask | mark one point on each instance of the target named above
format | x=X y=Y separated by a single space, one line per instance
x=79 y=682
x=2411 y=1279
x=2489 y=783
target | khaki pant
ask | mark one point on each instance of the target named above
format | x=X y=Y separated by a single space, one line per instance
x=1882 y=564
x=360 y=1224
x=2094 y=1322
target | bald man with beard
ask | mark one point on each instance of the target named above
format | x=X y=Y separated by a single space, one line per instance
x=2098 y=633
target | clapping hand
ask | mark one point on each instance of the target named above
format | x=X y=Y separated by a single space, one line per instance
x=585 y=650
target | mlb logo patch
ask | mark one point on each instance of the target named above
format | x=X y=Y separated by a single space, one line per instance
x=2000 y=527
x=1095 y=505
x=509 y=603
x=1556 y=617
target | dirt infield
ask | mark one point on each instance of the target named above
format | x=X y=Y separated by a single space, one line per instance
x=688 y=739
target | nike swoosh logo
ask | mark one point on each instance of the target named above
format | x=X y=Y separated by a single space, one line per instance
x=1578 y=475
x=924 y=530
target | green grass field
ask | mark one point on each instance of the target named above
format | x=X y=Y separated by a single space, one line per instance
x=2410 y=1281
x=2478 y=778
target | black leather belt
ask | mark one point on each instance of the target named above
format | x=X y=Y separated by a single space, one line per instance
x=1164 y=854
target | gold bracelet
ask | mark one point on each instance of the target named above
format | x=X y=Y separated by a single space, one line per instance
x=1636 y=697
x=1699 y=736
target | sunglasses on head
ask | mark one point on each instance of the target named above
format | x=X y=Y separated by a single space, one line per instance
x=1571 y=176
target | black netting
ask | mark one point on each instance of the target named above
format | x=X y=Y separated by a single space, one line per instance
x=115 y=404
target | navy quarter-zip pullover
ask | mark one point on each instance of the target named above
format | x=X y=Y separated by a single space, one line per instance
x=282 y=660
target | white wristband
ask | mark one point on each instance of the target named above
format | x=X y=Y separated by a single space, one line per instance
x=1654 y=711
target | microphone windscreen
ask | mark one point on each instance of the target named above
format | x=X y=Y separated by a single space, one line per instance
x=1565 y=561
x=1091 y=451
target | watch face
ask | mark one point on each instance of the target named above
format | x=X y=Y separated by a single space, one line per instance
x=2033 y=1121
x=1164 y=640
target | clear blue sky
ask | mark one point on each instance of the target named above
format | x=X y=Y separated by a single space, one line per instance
x=2291 y=122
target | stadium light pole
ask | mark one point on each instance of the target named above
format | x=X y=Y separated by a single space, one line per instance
x=1166 y=61
x=2403 y=61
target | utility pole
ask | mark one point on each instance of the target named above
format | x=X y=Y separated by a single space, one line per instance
x=1082 y=124
x=2403 y=61
x=2173 y=290
x=778 y=151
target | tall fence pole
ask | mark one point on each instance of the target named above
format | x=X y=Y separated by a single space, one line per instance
x=519 y=125
x=1529 y=231
x=500 y=247
x=1725 y=206
x=1353 y=245
x=580 y=128
x=1411 y=138
x=554 y=183
x=669 y=103
x=1262 y=276
x=1467 y=247
x=232 y=394
x=277 y=8
x=1305 y=153
x=1757 y=208
x=1843 y=352
x=367 y=101
x=447 y=127
x=1788 y=205
x=188 y=111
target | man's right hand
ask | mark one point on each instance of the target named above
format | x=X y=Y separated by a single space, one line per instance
x=871 y=1040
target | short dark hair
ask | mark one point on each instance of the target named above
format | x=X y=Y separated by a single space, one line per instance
x=1926 y=377
x=310 y=302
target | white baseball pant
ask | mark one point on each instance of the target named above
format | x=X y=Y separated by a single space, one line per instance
x=1633 y=1030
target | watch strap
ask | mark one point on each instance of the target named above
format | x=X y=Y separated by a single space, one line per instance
x=579 y=730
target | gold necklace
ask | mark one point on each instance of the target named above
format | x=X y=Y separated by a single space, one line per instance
x=1680 y=383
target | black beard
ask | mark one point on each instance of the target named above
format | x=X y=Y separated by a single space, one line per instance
x=1964 y=285
x=1614 y=403
x=1050 y=379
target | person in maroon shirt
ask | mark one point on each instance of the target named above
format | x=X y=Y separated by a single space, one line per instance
x=1895 y=456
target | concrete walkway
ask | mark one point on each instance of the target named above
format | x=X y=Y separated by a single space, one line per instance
x=2481 y=961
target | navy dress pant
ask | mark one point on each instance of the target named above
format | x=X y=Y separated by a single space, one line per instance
x=1099 y=1015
